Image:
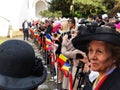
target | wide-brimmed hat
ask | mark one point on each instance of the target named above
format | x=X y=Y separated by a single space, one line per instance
x=82 y=31
x=19 y=68
x=101 y=34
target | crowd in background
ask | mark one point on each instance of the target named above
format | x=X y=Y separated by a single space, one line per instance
x=54 y=39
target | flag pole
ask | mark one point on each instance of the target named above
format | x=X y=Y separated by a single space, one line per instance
x=70 y=78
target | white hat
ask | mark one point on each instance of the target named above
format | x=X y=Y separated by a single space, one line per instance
x=104 y=16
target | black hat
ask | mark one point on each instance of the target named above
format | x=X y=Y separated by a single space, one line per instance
x=81 y=28
x=83 y=21
x=101 y=34
x=82 y=31
x=19 y=67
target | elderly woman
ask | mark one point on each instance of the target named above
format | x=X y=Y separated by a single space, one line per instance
x=104 y=56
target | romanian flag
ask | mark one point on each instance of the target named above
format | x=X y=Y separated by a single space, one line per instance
x=48 y=47
x=48 y=36
x=58 y=34
x=65 y=68
x=62 y=59
x=48 y=39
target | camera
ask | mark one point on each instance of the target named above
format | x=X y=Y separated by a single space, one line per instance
x=79 y=56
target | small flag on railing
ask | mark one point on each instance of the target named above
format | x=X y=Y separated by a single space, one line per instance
x=48 y=47
x=48 y=39
x=62 y=59
x=65 y=68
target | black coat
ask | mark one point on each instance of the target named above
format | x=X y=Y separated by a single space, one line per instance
x=112 y=82
x=49 y=30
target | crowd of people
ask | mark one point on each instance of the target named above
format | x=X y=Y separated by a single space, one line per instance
x=83 y=54
x=89 y=44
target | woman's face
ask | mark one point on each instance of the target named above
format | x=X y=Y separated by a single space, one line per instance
x=71 y=25
x=99 y=56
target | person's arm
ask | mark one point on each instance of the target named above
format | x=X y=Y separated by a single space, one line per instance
x=85 y=61
x=67 y=47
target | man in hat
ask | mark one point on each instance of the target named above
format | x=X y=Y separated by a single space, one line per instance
x=19 y=68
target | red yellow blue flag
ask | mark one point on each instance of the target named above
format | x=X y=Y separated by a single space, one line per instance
x=62 y=59
x=65 y=68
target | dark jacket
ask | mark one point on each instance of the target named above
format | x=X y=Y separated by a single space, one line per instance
x=112 y=82
x=49 y=30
